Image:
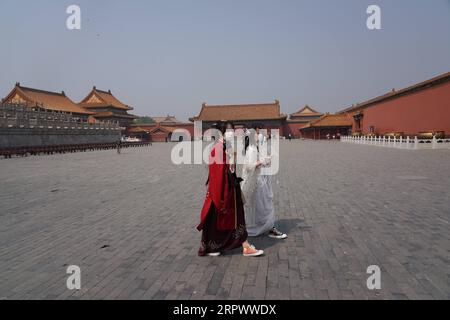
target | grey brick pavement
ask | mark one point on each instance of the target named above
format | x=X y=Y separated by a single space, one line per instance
x=129 y=222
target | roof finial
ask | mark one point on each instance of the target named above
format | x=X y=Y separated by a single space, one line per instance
x=94 y=87
x=63 y=93
x=17 y=84
x=203 y=104
x=109 y=91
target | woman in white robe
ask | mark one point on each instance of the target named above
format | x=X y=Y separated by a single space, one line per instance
x=258 y=193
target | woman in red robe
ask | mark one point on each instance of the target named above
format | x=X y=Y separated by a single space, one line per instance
x=222 y=217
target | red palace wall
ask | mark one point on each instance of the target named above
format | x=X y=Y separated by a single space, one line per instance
x=159 y=137
x=309 y=134
x=163 y=136
x=187 y=126
x=293 y=128
x=270 y=128
x=423 y=111
x=321 y=133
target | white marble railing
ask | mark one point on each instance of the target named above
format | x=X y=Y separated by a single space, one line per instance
x=400 y=143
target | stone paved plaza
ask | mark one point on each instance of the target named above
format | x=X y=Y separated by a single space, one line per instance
x=128 y=221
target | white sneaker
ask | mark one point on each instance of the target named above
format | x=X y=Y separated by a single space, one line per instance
x=276 y=234
x=214 y=254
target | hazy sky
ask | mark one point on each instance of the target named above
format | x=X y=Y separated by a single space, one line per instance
x=169 y=56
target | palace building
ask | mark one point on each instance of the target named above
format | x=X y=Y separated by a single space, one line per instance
x=161 y=130
x=299 y=120
x=420 y=109
x=267 y=115
x=166 y=120
x=329 y=126
x=46 y=100
x=106 y=107
x=305 y=115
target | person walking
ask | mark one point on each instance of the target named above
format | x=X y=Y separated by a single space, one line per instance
x=258 y=193
x=222 y=219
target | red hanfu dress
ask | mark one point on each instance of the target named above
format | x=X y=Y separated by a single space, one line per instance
x=222 y=217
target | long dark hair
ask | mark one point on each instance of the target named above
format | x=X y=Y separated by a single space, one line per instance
x=247 y=143
x=220 y=125
x=229 y=123
x=252 y=133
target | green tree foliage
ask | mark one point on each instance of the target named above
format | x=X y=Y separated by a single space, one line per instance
x=144 y=120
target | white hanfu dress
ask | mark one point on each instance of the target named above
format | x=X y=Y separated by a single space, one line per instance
x=258 y=194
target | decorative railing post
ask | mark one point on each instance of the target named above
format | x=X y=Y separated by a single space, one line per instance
x=382 y=141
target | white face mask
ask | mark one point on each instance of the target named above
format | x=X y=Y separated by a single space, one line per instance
x=260 y=138
x=229 y=135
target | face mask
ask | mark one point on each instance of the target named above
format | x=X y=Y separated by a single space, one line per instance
x=229 y=135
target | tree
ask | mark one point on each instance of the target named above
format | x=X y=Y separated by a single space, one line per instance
x=144 y=120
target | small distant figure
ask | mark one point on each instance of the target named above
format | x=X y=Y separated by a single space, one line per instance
x=290 y=137
x=119 y=146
